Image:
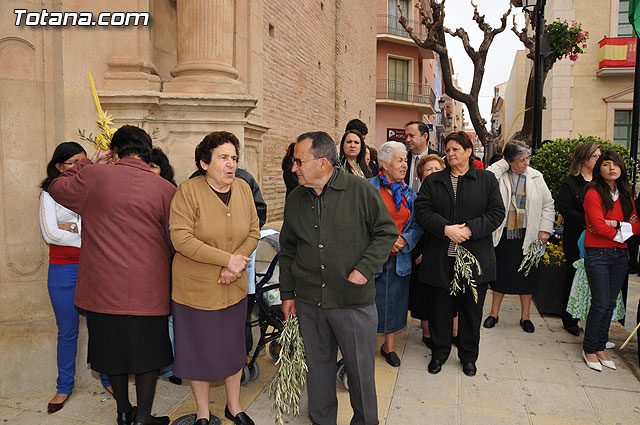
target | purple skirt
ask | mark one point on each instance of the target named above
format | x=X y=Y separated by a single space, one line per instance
x=209 y=344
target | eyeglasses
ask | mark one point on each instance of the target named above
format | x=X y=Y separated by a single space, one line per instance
x=74 y=162
x=299 y=161
x=525 y=160
x=595 y=156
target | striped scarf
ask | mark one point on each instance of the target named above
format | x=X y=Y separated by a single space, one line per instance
x=516 y=216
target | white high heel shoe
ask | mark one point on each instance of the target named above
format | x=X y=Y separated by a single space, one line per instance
x=592 y=365
x=608 y=363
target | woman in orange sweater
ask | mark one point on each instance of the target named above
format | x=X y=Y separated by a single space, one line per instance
x=611 y=218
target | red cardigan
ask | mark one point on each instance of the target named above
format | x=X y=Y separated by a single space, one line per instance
x=126 y=251
x=595 y=217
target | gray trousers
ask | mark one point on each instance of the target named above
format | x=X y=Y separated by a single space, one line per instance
x=354 y=331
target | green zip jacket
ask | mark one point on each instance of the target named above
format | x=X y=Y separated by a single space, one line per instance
x=355 y=231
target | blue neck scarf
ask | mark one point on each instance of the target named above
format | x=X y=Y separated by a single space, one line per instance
x=398 y=191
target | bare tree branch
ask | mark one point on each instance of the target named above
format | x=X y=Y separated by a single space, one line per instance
x=525 y=38
x=432 y=13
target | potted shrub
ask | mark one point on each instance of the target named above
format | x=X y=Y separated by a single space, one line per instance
x=553 y=269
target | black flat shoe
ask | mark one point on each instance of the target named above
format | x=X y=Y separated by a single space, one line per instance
x=155 y=420
x=435 y=366
x=392 y=358
x=126 y=418
x=490 y=322
x=527 y=326
x=573 y=330
x=202 y=421
x=469 y=369
x=239 y=419
x=428 y=341
x=175 y=380
x=213 y=420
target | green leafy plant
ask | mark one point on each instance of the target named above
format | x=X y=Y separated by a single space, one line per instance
x=535 y=251
x=566 y=40
x=463 y=271
x=286 y=387
x=553 y=160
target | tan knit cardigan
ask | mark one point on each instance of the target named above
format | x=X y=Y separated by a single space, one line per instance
x=204 y=233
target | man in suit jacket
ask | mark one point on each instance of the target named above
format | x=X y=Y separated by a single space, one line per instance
x=417 y=137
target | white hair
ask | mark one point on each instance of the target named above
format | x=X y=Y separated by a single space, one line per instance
x=388 y=148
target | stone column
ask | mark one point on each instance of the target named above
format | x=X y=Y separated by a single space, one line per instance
x=205 y=48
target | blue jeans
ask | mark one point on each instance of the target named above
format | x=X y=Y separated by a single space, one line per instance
x=61 y=283
x=606 y=270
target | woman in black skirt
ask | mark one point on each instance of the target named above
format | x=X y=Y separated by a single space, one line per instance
x=530 y=216
x=123 y=275
x=214 y=229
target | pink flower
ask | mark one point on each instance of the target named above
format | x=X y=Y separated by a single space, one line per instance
x=573 y=58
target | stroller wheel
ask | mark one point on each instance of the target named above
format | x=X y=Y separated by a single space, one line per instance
x=254 y=371
x=341 y=374
x=274 y=350
x=246 y=375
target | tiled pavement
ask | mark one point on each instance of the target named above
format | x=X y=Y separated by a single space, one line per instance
x=537 y=378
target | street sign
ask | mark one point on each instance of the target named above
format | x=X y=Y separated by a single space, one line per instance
x=395 y=135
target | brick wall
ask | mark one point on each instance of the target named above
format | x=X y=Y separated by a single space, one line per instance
x=319 y=72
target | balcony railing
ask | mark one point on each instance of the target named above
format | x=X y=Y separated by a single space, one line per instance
x=406 y=92
x=388 y=24
x=617 y=52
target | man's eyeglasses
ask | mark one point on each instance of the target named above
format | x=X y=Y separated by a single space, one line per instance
x=299 y=161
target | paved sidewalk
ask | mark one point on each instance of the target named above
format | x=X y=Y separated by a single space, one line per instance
x=537 y=378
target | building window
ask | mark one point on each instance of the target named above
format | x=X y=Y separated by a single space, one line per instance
x=622 y=127
x=393 y=17
x=624 y=27
x=398 y=84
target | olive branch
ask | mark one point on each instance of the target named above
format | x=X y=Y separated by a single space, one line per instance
x=535 y=251
x=286 y=387
x=463 y=270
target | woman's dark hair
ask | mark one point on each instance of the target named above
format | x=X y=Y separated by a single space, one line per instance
x=287 y=160
x=63 y=152
x=166 y=170
x=360 y=159
x=130 y=140
x=461 y=137
x=212 y=141
x=495 y=158
x=603 y=189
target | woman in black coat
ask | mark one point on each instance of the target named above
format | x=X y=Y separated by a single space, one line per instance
x=569 y=204
x=460 y=205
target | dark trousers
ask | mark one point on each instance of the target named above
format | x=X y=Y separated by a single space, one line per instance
x=443 y=308
x=567 y=320
x=353 y=330
x=606 y=270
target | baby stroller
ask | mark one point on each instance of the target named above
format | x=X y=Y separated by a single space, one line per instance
x=267 y=307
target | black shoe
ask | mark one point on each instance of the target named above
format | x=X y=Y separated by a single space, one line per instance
x=573 y=330
x=175 y=380
x=239 y=419
x=527 y=326
x=392 y=358
x=435 y=366
x=428 y=342
x=202 y=421
x=126 y=418
x=469 y=369
x=213 y=420
x=490 y=321
x=155 y=420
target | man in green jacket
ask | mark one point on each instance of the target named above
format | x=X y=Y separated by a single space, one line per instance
x=336 y=233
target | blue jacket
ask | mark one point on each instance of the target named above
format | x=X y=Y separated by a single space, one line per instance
x=411 y=232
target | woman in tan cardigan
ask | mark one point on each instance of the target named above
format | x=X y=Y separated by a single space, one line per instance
x=214 y=229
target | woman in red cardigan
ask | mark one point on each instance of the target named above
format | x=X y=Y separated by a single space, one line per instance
x=611 y=218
